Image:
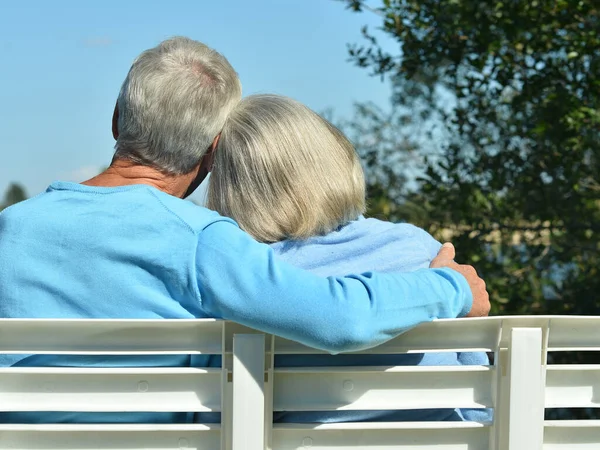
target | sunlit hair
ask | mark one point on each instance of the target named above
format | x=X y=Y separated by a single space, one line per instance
x=173 y=103
x=283 y=172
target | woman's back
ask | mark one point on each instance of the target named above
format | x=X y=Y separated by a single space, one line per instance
x=366 y=245
x=362 y=245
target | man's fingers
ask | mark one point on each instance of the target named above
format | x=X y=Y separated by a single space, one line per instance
x=481 y=298
x=470 y=270
x=444 y=257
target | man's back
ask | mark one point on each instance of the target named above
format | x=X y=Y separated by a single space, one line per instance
x=79 y=251
x=85 y=252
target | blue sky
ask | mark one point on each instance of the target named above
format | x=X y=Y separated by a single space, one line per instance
x=63 y=62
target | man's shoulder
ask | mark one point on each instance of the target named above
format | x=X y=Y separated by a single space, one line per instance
x=194 y=216
x=148 y=203
x=23 y=208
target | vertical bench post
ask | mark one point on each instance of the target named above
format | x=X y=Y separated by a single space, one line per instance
x=248 y=392
x=525 y=390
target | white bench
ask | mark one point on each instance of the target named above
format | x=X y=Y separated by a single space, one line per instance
x=247 y=388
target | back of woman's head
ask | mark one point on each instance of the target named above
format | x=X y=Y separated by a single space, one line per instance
x=283 y=172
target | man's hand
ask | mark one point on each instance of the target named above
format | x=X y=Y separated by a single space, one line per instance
x=481 y=299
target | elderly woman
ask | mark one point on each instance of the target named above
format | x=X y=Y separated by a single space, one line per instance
x=290 y=178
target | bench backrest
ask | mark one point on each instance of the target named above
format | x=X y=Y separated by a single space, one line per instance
x=247 y=388
x=171 y=389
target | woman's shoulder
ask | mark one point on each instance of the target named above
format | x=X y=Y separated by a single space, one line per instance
x=373 y=224
x=384 y=231
x=395 y=229
x=362 y=245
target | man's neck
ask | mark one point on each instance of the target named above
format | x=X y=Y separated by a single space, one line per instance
x=123 y=173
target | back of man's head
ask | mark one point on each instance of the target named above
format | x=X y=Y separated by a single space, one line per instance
x=173 y=103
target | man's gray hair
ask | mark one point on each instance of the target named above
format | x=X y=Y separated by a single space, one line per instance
x=173 y=104
x=283 y=172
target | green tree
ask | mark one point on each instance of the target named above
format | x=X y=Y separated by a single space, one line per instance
x=15 y=193
x=508 y=96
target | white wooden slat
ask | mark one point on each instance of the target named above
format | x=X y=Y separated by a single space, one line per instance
x=572 y=435
x=576 y=386
x=381 y=436
x=89 y=336
x=203 y=335
x=442 y=335
x=380 y=425
x=370 y=388
x=480 y=334
x=568 y=333
x=113 y=437
x=115 y=336
x=119 y=389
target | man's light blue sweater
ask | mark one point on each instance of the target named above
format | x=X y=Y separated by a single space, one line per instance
x=77 y=251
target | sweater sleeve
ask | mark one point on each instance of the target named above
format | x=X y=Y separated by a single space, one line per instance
x=241 y=280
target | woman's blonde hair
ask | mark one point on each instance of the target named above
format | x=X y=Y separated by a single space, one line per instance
x=281 y=171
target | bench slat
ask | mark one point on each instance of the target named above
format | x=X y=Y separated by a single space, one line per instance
x=472 y=438
x=480 y=335
x=104 y=390
x=111 y=337
x=343 y=388
x=575 y=386
x=572 y=435
x=113 y=437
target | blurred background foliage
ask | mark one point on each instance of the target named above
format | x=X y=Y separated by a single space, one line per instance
x=492 y=140
x=15 y=193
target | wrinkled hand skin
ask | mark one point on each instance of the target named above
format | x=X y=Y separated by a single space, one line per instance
x=481 y=298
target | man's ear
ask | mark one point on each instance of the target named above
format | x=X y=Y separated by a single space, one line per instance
x=115 y=122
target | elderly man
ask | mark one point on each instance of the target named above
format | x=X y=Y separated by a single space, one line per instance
x=126 y=245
